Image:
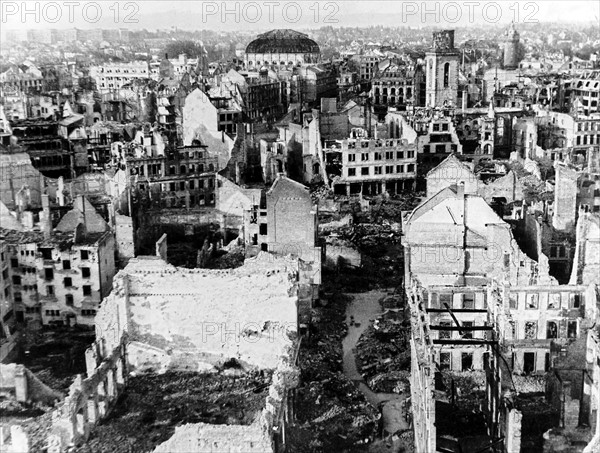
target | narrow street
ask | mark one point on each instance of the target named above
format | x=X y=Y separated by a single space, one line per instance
x=362 y=311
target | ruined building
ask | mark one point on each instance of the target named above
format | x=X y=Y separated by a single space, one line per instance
x=373 y=166
x=59 y=276
x=479 y=303
x=229 y=338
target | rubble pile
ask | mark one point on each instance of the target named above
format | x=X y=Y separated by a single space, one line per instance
x=231 y=258
x=468 y=388
x=383 y=354
x=331 y=413
x=147 y=414
x=56 y=357
x=37 y=428
x=538 y=417
x=533 y=188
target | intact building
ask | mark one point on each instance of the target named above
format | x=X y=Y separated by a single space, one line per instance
x=281 y=49
x=441 y=71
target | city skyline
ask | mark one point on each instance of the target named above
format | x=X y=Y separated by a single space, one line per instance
x=249 y=16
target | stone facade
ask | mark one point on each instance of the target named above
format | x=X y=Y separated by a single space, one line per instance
x=565 y=197
x=441 y=66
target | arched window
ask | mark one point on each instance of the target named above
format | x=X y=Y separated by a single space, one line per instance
x=446 y=74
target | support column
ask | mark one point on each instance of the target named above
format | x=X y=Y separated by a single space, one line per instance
x=21 y=389
x=92 y=410
x=90 y=361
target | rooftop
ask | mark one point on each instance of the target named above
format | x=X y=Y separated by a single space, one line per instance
x=283 y=41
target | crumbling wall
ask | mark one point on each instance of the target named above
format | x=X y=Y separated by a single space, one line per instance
x=586 y=262
x=422 y=374
x=89 y=399
x=13 y=440
x=233 y=313
x=22 y=385
x=565 y=195
x=206 y=437
x=339 y=256
x=507 y=186
x=513 y=430
x=124 y=237
x=255 y=438
x=161 y=247
x=249 y=313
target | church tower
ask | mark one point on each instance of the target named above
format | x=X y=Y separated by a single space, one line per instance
x=511 y=47
x=441 y=72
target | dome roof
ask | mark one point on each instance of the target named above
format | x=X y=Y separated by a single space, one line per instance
x=283 y=41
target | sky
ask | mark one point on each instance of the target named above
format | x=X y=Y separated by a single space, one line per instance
x=261 y=15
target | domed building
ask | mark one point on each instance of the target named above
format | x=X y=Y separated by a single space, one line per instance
x=281 y=49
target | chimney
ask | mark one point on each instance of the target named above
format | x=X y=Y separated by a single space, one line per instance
x=81 y=202
x=47 y=220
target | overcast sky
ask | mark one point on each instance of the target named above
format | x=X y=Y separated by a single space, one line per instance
x=260 y=15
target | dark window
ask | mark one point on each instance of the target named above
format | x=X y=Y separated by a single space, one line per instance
x=69 y=300
x=530 y=330
x=352 y=172
x=575 y=300
x=446 y=75
x=66 y=264
x=364 y=171
x=445 y=334
x=532 y=301
x=529 y=362
x=85 y=254
x=262 y=229
x=16 y=279
x=14 y=262
x=87 y=290
x=46 y=253
x=468 y=301
x=467 y=334
x=49 y=273
x=85 y=272
x=445 y=299
x=572 y=329
x=445 y=361
x=68 y=281
x=50 y=290
x=466 y=361
x=551 y=330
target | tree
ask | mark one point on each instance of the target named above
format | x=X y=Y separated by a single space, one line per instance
x=191 y=48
